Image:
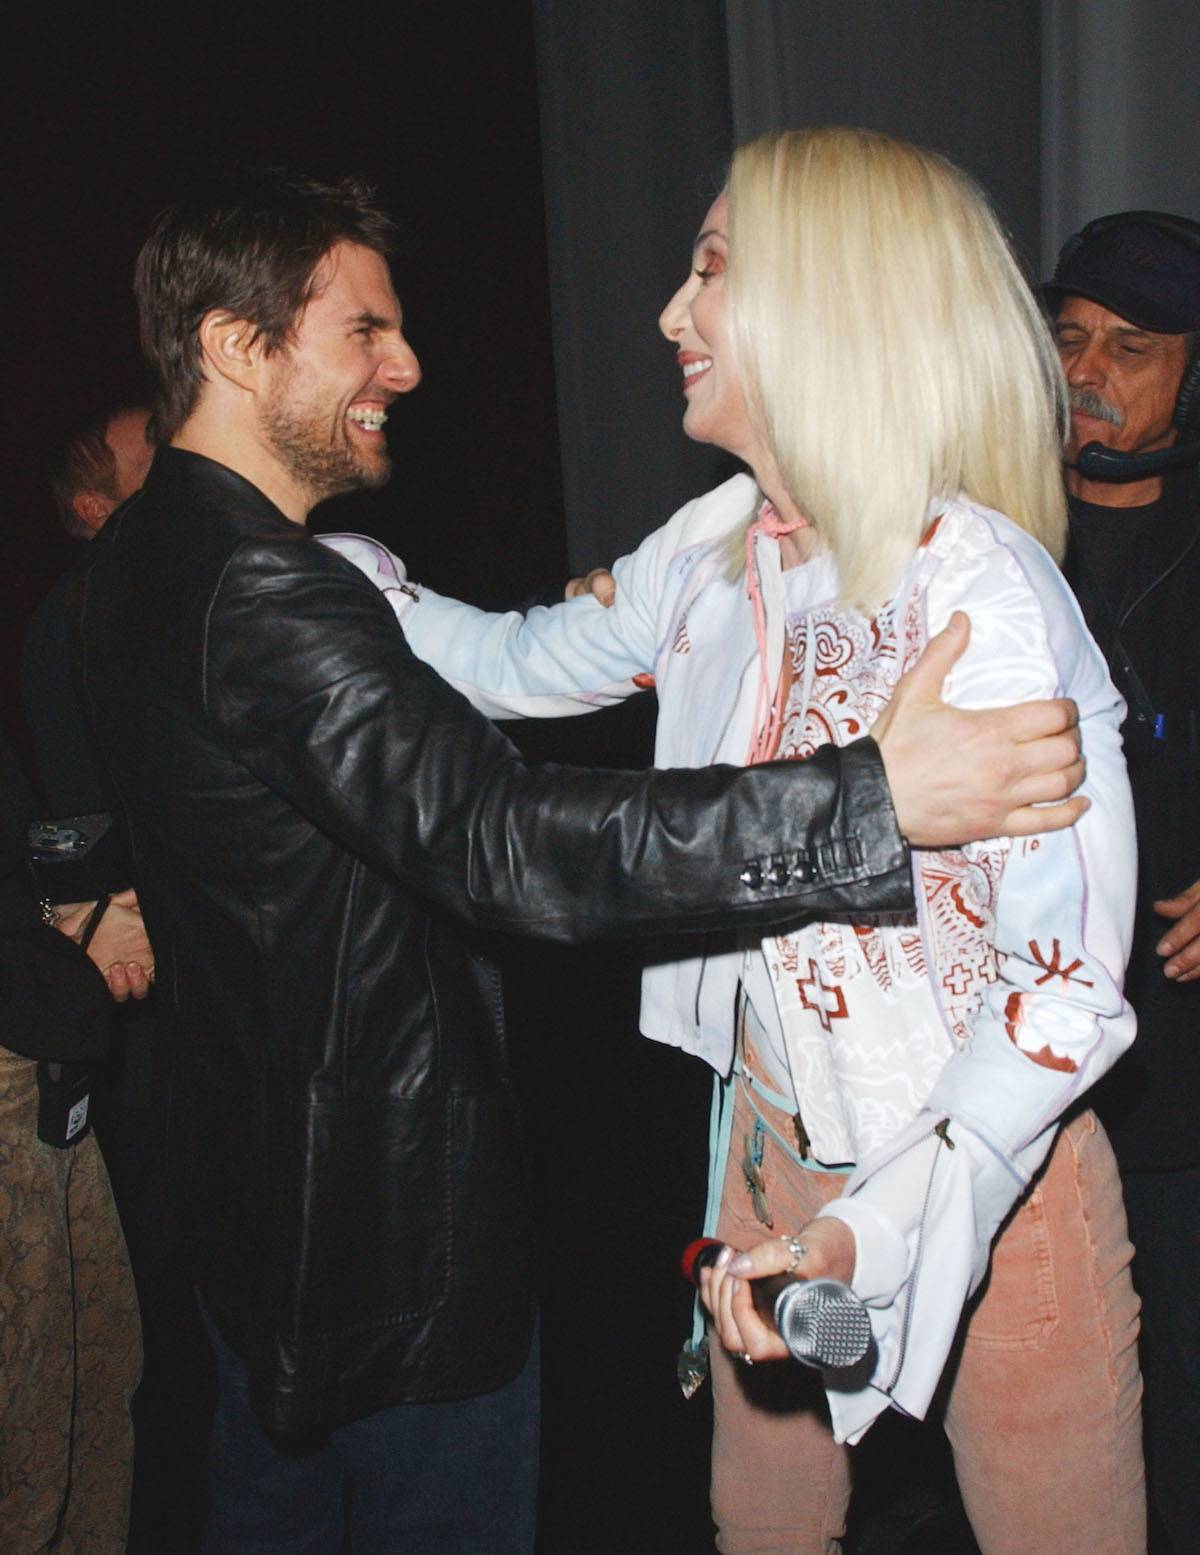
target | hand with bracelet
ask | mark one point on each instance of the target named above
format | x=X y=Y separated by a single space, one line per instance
x=114 y=936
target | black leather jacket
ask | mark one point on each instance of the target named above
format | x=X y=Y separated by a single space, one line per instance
x=319 y=823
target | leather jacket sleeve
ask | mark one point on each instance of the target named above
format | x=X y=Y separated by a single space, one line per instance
x=316 y=690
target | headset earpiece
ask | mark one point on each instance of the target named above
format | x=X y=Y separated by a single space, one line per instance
x=1187 y=403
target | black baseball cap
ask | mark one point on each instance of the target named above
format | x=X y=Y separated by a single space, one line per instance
x=1142 y=265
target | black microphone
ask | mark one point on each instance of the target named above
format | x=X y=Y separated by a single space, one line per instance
x=1098 y=463
x=822 y=1322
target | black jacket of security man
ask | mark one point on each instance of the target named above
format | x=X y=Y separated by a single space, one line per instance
x=1136 y=572
x=319 y=823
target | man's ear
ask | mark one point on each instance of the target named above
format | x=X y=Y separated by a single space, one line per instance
x=91 y=508
x=230 y=347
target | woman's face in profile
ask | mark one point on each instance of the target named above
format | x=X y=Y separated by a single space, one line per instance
x=694 y=322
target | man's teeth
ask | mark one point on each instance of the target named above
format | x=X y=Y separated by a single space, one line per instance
x=690 y=369
x=370 y=417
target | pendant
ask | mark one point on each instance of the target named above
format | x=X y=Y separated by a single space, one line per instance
x=756 y=1183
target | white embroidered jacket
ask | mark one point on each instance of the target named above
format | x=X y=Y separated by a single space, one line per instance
x=995 y=1007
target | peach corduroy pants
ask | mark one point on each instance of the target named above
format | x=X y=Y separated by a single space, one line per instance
x=1042 y=1400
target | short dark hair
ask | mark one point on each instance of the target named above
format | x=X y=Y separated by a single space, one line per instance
x=252 y=247
x=85 y=463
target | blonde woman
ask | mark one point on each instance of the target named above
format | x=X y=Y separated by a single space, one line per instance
x=901 y=1106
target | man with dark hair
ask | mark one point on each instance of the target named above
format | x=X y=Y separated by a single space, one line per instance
x=98 y=468
x=274 y=233
x=1126 y=300
x=323 y=828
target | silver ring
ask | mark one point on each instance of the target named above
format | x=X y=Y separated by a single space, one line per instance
x=745 y=1359
x=797 y=1249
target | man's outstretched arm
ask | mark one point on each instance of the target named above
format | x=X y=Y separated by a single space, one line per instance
x=368 y=743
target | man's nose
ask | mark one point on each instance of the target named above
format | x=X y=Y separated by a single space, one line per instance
x=1085 y=366
x=401 y=371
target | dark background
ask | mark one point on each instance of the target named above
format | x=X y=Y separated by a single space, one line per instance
x=119 y=108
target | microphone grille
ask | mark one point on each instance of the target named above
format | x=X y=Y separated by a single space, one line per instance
x=823 y=1324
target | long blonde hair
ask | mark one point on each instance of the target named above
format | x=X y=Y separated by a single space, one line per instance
x=891 y=353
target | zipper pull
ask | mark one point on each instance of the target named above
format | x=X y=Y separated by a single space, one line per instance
x=942 y=1131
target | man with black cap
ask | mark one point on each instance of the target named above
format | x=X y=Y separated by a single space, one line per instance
x=1126 y=300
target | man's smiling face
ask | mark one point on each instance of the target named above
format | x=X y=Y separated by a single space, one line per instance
x=331 y=383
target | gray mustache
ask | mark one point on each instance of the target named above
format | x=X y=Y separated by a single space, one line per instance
x=1089 y=403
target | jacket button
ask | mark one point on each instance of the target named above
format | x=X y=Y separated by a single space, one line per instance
x=803 y=871
x=778 y=874
x=752 y=875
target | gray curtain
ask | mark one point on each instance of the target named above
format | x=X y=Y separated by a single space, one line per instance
x=635 y=131
x=1121 y=111
x=962 y=78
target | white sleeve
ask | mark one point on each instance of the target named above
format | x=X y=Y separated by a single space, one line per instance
x=926 y=1208
x=567 y=658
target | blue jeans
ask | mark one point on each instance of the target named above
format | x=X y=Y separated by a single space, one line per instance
x=456 y=1478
